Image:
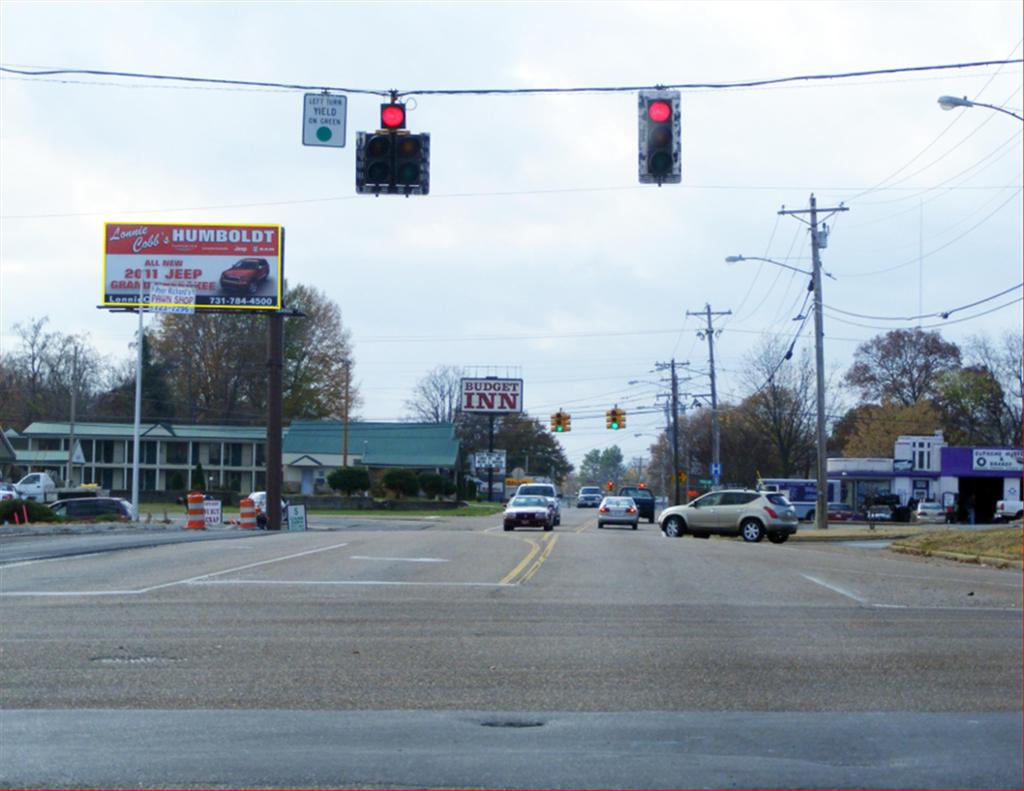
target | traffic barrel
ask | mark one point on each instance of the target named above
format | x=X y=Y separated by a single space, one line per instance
x=247 y=514
x=196 y=518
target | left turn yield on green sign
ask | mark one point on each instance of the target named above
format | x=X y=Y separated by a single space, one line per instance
x=323 y=120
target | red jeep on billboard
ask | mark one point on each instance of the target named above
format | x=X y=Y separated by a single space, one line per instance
x=245 y=275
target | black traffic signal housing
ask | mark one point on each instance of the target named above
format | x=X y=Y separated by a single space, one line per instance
x=391 y=160
x=660 y=135
x=612 y=419
x=556 y=421
x=621 y=414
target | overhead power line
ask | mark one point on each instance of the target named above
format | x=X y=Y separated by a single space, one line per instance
x=939 y=314
x=388 y=92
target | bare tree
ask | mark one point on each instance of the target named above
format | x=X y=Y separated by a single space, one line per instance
x=436 y=396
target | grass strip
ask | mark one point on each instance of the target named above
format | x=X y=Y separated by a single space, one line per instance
x=999 y=543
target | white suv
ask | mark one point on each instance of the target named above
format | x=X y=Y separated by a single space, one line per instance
x=543 y=490
x=733 y=512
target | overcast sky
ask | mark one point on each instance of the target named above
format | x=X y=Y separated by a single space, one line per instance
x=537 y=253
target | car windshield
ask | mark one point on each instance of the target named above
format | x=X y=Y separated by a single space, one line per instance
x=929 y=507
x=543 y=491
x=527 y=502
x=590 y=490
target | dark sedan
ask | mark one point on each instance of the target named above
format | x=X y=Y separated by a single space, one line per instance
x=90 y=509
x=644 y=499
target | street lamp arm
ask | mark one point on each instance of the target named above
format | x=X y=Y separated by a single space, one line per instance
x=952 y=102
x=733 y=259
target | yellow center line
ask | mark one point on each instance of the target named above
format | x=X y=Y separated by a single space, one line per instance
x=507 y=579
x=589 y=523
x=552 y=539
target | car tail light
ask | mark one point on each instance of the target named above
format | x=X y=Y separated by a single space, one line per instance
x=771 y=513
x=630 y=510
x=602 y=510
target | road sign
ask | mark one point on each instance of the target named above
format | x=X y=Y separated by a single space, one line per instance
x=716 y=470
x=323 y=120
x=705 y=481
x=682 y=477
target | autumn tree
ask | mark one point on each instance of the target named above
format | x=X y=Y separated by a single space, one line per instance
x=599 y=466
x=901 y=366
x=875 y=428
x=527 y=443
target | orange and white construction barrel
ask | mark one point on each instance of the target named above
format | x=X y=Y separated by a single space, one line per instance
x=247 y=514
x=196 y=518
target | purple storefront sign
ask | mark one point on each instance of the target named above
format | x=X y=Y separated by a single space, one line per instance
x=981 y=462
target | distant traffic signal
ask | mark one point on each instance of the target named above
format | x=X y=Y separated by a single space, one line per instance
x=615 y=419
x=566 y=421
x=621 y=413
x=561 y=422
x=659 y=137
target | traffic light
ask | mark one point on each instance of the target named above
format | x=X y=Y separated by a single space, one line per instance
x=566 y=421
x=391 y=160
x=611 y=419
x=561 y=422
x=621 y=414
x=556 y=421
x=610 y=486
x=659 y=137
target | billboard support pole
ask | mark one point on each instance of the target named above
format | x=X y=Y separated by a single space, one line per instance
x=490 y=449
x=275 y=405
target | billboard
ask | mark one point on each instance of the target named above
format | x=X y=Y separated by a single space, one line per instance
x=491 y=396
x=227 y=266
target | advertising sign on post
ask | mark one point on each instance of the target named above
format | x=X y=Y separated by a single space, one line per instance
x=491 y=396
x=226 y=266
x=490 y=460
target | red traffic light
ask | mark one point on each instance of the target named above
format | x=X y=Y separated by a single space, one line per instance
x=659 y=111
x=392 y=116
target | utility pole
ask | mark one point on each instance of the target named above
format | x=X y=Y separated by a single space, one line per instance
x=674 y=422
x=716 y=443
x=819 y=240
x=71 y=430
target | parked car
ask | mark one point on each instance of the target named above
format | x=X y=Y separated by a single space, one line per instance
x=546 y=490
x=733 y=512
x=879 y=513
x=259 y=500
x=839 y=512
x=1007 y=510
x=618 y=511
x=589 y=497
x=245 y=275
x=929 y=512
x=8 y=492
x=88 y=509
x=528 y=511
x=644 y=499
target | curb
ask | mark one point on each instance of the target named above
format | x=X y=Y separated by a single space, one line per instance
x=960 y=557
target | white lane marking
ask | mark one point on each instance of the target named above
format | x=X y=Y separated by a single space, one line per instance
x=400 y=560
x=4 y=594
x=360 y=582
x=926 y=577
x=835 y=588
x=32 y=562
x=243 y=568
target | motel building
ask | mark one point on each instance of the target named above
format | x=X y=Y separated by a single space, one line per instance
x=925 y=468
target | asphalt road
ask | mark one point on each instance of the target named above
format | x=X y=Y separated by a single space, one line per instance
x=448 y=653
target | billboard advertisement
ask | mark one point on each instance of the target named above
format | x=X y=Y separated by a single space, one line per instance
x=491 y=396
x=227 y=266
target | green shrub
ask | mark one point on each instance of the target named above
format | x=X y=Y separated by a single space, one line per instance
x=176 y=482
x=349 y=479
x=37 y=512
x=471 y=492
x=401 y=482
x=449 y=488
x=431 y=483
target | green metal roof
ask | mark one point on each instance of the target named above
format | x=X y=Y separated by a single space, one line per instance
x=148 y=430
x=377 y=444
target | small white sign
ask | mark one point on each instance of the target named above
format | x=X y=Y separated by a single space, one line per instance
x=296 y=517
x=490 y=460
x=211 y=513
x=172 y=299
x=323 y=120
x=77 y=457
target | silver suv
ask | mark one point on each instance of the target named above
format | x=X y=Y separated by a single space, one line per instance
x=542 y=490
x=733 y=512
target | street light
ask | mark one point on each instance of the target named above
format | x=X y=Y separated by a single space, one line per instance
x=953 y=102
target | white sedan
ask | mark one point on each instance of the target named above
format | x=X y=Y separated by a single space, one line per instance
x=618 y=511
